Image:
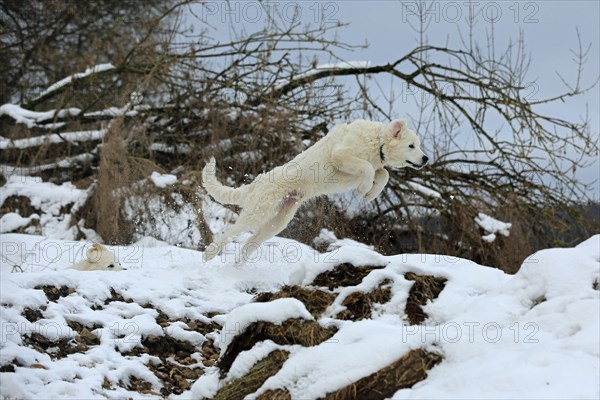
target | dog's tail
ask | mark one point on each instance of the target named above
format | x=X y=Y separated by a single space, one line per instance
x=221 y=193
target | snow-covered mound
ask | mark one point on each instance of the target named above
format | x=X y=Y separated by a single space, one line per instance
x=296 y=324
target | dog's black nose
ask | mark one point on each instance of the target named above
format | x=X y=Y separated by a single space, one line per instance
x=425 y=159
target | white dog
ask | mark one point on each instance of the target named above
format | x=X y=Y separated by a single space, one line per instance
x=351 y=156
x=98 y=257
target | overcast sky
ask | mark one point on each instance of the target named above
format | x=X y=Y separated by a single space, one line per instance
x=549 y=26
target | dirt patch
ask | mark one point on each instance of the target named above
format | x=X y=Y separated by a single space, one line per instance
x=359 y=305
x=84 y=335
x=402 y=374
x=315 y=300
x=138 y=385
x=7 y=368
x=253 y=380
x=87 y=337
x=292 y=331
x=193 y=325
x=210 y=354
x=180 y=365
x=78 y=327
x=175 y=378
x=56 y=349
x=425 y=288
x=177 y=370
x=32 y=315
x=19 y=204
x=53 y=293
x=115 y=296
x=343 y=275
x=596 y=285
x=161 y=345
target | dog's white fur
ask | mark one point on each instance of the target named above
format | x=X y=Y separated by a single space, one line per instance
x=97 y=258
x=351 y=156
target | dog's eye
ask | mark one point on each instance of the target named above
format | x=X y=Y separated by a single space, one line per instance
x=412 y=146
x=111 y=266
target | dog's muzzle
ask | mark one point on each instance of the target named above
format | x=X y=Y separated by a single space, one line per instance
x=418 y=166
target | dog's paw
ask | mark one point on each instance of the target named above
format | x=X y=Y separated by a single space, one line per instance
x=371 y=195
x=210 y=252
x=364 y=188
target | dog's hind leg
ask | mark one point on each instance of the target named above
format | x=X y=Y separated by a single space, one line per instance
x=287 y=209
x=217 y=246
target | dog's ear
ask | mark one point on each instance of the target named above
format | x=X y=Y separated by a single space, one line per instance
x=398 y=128
x=94 y=252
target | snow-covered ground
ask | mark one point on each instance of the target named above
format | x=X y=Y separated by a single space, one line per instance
x=531 y=335
x=77 y=334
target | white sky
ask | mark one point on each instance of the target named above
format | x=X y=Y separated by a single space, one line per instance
x=549 y=26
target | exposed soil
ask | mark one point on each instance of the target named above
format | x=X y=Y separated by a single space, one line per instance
x=426 y=288
x=343 y=275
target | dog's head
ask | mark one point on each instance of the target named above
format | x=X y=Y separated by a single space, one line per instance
x=403 y=147
x=99 y=257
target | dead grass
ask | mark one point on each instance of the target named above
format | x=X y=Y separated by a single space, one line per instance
x=114 y=172
x=359 y=305
x=292 y=331
x=343 y=275
x=402 y=374
x=538 y=300
x=54 y=293
x=315 y=300
x=277 y=394
x=19 y=204
x=253 y=380
x=425 y=288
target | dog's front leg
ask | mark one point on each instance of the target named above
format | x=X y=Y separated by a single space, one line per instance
x=381 y=179
x=363 y=170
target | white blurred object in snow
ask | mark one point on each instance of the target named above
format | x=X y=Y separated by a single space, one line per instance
x=162 y=180
x=492 y=227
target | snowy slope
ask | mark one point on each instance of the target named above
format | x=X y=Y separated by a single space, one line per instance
x=531 y=335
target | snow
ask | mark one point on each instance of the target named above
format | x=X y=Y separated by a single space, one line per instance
x=176 y=149
x=12 y=221
x=492 y=227
x=32 y=118
x=328 y=238
x=162 y=180
x=246 y=360
x=275 y=311
x=48 y=198
x=180 y=331
x=534 y=334
x=424 y=190
x=69 y=79
x=126 y=110
x=71 y=137
x=496 y=341
x=9 y=170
